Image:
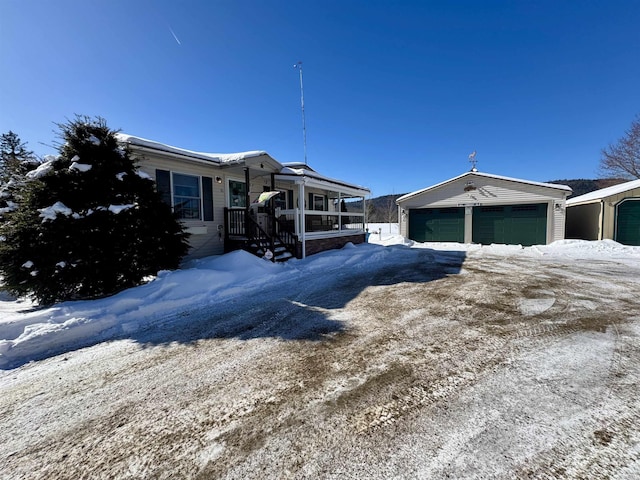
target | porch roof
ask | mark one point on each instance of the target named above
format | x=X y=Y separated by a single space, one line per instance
x=313 y=179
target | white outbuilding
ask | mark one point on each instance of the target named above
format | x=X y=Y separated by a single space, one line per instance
x=609 y=213
x=483 y=208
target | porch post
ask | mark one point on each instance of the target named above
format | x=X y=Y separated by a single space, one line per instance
x=364 y=211
x=302 y=219
x=247 y=200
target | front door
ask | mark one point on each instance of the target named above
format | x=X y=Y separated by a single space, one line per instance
x=237 y=194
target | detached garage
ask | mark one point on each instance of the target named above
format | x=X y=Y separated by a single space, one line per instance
x=609 y=213
x=483 y=208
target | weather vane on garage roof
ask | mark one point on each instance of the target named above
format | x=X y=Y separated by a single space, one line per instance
x=472 y=159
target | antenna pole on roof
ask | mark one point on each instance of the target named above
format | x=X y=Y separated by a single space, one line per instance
x=304 y=125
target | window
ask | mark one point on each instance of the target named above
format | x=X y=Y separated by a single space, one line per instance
x=318 y=202
x=186 y=196
x=237 y=194
x=190 y=196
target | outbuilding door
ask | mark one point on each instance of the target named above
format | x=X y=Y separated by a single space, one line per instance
x=437 y=224
x=628 y=222
x=510 y=224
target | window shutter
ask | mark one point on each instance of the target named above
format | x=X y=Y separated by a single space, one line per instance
x=290 y=199
x=207 y=199
x=163 y=185
x=326 y=203
x=311 y=201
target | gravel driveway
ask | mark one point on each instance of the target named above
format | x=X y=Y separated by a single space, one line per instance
x=448 y=365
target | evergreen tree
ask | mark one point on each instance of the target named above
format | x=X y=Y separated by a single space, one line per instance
x=89 y=224
x=15 y=162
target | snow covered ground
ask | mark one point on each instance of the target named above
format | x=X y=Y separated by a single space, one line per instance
x=391 y=359
x=28 y=333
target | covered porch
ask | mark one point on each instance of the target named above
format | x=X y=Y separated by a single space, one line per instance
x=305 y=213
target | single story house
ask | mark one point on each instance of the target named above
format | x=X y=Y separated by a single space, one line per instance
x=251 y=201
x=483 y=208
x=609 y=213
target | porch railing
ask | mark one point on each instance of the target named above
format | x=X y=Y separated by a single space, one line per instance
x=240 y=226
x=316 y=222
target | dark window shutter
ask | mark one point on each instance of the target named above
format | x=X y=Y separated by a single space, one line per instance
x=163 y=184
x=290 y=199
x=326 y=203
x=311 y=201
x=207 y=199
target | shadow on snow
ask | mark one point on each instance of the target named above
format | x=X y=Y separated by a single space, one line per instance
x=286 y=310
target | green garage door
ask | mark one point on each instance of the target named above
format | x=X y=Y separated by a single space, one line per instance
x=510 y=224
x=628 y=222
x=437 y=224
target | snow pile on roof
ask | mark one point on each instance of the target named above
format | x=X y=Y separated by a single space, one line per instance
x=605 y=192
x=219 y=158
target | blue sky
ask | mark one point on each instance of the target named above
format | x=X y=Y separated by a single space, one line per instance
x=397 y=93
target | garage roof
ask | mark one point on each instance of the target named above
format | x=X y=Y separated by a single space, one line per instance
x=604 y=192
x=486 y=175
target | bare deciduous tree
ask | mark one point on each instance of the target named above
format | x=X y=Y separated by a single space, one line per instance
x=623 y=157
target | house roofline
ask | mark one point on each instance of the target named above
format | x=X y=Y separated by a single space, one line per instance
x=219 y=159
x=249 y=159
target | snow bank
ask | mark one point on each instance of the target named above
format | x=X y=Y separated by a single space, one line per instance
x=27 y=335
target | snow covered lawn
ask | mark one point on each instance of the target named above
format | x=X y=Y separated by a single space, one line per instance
x=397 y=361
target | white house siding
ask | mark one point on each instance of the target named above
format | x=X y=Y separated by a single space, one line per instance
x=489 y=191
x=206 y=240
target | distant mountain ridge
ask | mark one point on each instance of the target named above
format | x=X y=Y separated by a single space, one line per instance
x=580 y=186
